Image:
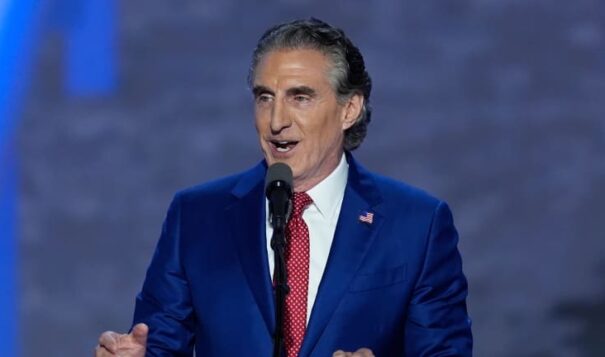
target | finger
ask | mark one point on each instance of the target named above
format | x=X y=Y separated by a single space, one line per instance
x=139 y=334
x=109 y=340
x=363 y=352
x=101 y=351
x=341 y=353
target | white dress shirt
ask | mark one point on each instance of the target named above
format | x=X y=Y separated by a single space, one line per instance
x=321 y=218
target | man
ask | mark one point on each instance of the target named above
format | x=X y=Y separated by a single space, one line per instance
x=372 y=263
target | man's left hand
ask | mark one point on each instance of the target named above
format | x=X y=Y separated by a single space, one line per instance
x=362 y=352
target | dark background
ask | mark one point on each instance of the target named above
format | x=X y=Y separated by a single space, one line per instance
x=495 y=106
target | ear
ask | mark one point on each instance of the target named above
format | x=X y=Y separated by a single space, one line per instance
x=352 y=109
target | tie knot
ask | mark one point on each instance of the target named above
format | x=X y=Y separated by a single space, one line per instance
x=300 y=202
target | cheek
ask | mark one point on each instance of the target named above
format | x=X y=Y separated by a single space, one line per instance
x=259 y=123
x=331 y=131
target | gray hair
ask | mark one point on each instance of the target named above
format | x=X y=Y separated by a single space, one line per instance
x=348 y=74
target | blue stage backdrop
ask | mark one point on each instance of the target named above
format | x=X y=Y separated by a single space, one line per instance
x=495 y=106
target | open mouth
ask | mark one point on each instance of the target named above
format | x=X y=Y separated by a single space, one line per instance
x=283 y=146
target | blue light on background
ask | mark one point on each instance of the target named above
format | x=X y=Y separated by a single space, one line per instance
x=90 y=69
x=18 y=29
x=90 y=40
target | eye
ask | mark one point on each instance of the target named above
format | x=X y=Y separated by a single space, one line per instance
x=264 y=98
x=301 y=98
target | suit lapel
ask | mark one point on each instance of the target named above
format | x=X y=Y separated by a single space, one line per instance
x=246 y=222
x=352 y=240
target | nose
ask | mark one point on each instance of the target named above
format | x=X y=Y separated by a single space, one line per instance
x=279 y=117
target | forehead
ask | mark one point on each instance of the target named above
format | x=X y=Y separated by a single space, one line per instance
x=293 y=65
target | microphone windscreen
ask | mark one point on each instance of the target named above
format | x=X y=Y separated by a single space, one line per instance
x=278 y=172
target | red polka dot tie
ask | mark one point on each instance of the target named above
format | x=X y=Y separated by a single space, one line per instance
x=297 y=263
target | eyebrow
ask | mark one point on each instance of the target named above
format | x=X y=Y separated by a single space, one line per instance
x=301 y=90
x=260 y=89
x=304 y=90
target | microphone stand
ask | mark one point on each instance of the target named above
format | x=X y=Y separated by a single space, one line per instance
x=278 y=189
x=278 y=244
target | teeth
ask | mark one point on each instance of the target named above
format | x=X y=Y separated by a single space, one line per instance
x=284 y=146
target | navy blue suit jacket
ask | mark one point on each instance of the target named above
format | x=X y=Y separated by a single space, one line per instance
x=395 y=286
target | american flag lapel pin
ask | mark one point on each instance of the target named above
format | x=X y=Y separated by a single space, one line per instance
x=366 y=217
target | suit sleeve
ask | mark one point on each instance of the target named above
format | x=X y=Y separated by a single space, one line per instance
x=438 y=322
x=164 y=302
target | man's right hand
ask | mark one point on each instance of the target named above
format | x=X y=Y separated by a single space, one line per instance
x=123 y=345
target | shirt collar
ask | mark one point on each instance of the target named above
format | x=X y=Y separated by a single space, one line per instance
x=327 y=195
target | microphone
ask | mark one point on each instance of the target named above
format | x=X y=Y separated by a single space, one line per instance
x=278 y=188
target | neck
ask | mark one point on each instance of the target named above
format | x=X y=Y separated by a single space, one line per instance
x=307 y=183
